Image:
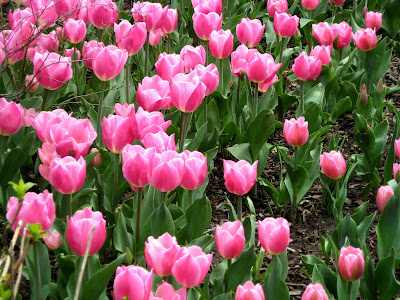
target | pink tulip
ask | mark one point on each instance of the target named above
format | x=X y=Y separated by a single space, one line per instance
x=250 y=32
x=323 y=53
x=166 y=170
x=83 y=11
x=274 y=235
x=239 y=177
x=117 y=133
x=351 y=263
x=21 y=18
x=52 y=70
x=191 y=266
x=160 y=141
x=46 y=154
x=170 y=22
x=221 y=43
x=295 y=131
x=75 y=30
x=240 y=59
x=204 y=24
x=130 y=37
x=167 y=291
x=44 y=120
x=373 y=20
x=168 y=65
x=160 y=253
x=153 y=14
x=96 y=161
x=307 y=67
x=310 y=4
x=336 y=3
x=285 y=25
x=383 y=196
x=60 y=34
x=195 y=173
x=46 y=12
x=314 y=292
x=152 y=122
x=396 y=169
x=193 y=56
x=209 y=76
x=108 y=62
x=102 y=13
x=155 y=37
x=36 y=208
x=135 y=165
x=68 y=9
x=79 y=229
x=2 y=53
x=264 y=86
x=88 y=51
x=125 y=110
x=52 y=239
x=67 y=175
x=10 y=117
x=207 y=6
x=12 y=44
x=43 y=43
x=261 y=67
x=397 y=147
x=276 y=6
x=70 y=52
x=153 y=94
x=132 y=282
x=249 y=291
x=333 y=164
x=324 y=33
x=229 y=239
x=27 y=116
x=365 y=39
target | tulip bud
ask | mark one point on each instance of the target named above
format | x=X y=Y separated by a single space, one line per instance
x=10 y=117
x=363 y=97
x=364 y=11
x=333 y=164
x=31 y=83
x=239 y=177
x=351 y=263
x=383 y=196
x=295 y=131
x=380 y=87
x=229 y=239
x=52 y=239
x=249 y=291
x=96 y=161
x=314 y=292
x=396 y=173
x=274 y=235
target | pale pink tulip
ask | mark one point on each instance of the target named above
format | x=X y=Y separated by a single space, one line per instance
x=153 y=93
x=170 y=22
x=75 y=30
x=152 y=122
x=264 y=86
x=168 y=65
x=204 y=24
x=229 y=239
x=193 y=56
x=249 y=291
x=295 y=131
x=67 y=175
x=209 y=75
x=351 y=263
x=207 y=6
x=88 y=51
x=52 y=239
x=314 y=292
x=323 y=53
x=221 y=43
x=250 y=32
x=324 y=33
x=383 y=196
x=195 y=173
x=365 y=39
x=130 y=37
x=10 y=117
x=117 y=132
x=44 y=120
x=187 y=92
x=239 y=177
x=261 y=67
x=285 y=25
x=310 y=4
x=274 y=235
x=132 y=282
x=333 y=164
x=102 y=13
x=153 y=14
x=108 y=62
x=160 y=141
x=279 y=6
x=307 y=67
x=373 y=20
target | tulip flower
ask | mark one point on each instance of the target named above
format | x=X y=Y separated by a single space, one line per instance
x=323 y=53
x=74 y=30
x=68 y=9
x=170 y=21
x=193 y=56
x=204 y=24
x=191 y=266
x=221 y=43
x=295 y=131
x=229 y=239
x=396 y=169
x=195 y=172
x=52 y=239
x=209 y=76
x=167 y=291
x=153 y=94
x=249 y=291
x=160 y=253
x=261 y=67
x=132 y=282
x=35 y=208
x=153 y=14
x=207 y=6
x=168 y=65
x=73 y=53
x=239 y=177
x=155 y=37
x=11 y=42
x=152 y=122
x=83 y=11
x=336 y=3
x=314 y=292
x=2 y=53
x=117 y=133
x=43 y=43
x=240 y=60
x=285 y=25
x=333 y=164
x=10 y=117
x=108 y=62
x=46 y=12
x=310 y=4
x=365 y=39
x=397 y=147
x=274 y=235
x=88 y=51
x=44 y=120
x=264 y=86
x=46 y=154
x=373 y=20
x=79 y=229
x=250 y=32
x=130 y=37
x=160 y=141
x=276 y=6
x=27 y=116
x=21 y=18
x=102 y=13
x=324 y=33
x=383 y=196
x=363 y=95
x=125 y=110
x=96 y=161
x=351 y=263
x=67 y=175
x=307 y=67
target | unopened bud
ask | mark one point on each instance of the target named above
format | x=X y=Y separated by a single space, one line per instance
x=60 y=33
x=31 y=83
x=380 y=88
x=96 y=161
x=52 y=239
x=364 y=12
x=363 y=98
x=297 y=35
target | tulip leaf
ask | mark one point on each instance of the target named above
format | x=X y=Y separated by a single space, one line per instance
x=198 y=217
x=241 y=152
x=368 y=289
x=342 y=106
x=44 y=266
x=347 y=229
x=387 y=283
x=122 y=239
x=274 y=287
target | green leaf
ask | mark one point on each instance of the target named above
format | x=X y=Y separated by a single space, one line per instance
x=386 y=281
x=241 y=151
x=122 y=238
x=158 y=223
x=198 y=217
x=274 y=287
x=44 y=265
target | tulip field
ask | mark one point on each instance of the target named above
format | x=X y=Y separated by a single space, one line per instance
x=199 y=149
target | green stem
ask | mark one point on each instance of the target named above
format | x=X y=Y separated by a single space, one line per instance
x=75 y=64
x=168 y=43
x=229 y=262
x=333 y=13
x=206 y=48
x=355 y=5
x=310 y=14
x=138 y=212
x=349 y=288
x=163 y=197
x=69 y=204
x=100 y=35
x=340 y=54
x=239 y=207
x=46 y=92
x=205 y=109
x=116 y=173
x=183 y=131
x=127 y=73
x=190 y=197
x=237 y=99
x=37 y=269
x=301 y=97
x=294 y=204
x=337 y=188
x=100 y=112
x=255 y=104
x=146 y=65
x=281 y=50
x=221 y=75
x=182 y=6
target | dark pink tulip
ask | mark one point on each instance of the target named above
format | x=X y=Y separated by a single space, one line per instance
x=397 y=147
x=36 y=208
x=204 y=24
x=383 y=196
x=167 y=291
x=324 y=33
x=130 y=37
x=310 y=4
x=160 y=253
x=75 y=30
x=10 y=117
x=187 y=92
x=365 y=39
x=22 y=21
x=12 y=44
x=191 y=266
x=79 y=228
x=209 y=76
x=68 y=9
x=153 y=14
x=274 y=235
x=43 y=43
x=70 y=52
x=67 y=175
x=240 y=60
x=96 y=161
x=396 y=169
x=52 y=70
x=343 y=32
x=351 y=263
x=160 y=141
x=155 y=37
x=323 y=53
x=83 y=11
x=295 y=131
x=44 y=120
x=336 y=3
x=207 y=6
x=52 y=239
x=285 y=25
x=193 y=56
x=264 y=86
x=249 y=32
x=125 y=110
x=277 y=6
x=314 y=292
x=27 y=116
x=153 y=93
x=132 y=282
x=60 y=34
x=373 y=20
x=166 y=170
x=333 y=164
x=152 y=122
x=239 y=177
x=195 y=173
x=135 y=165
x=249 y=291
x=108 y=62
x=170 y=22
x=221 y=43
x=102 y=13
x=261 y=67
x=88 y=51
x=168 y=65
x=47 y=153
x=229 y=239
x=46 y=12
x=307 y=67
x=117 y=132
